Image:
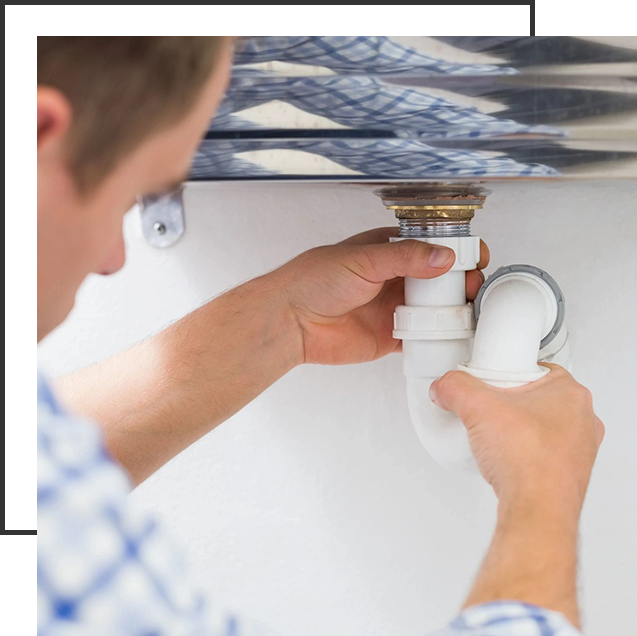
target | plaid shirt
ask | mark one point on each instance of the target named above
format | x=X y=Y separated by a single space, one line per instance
x=105 y=570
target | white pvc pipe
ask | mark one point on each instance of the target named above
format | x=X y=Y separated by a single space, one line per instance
x=449 y=289
x=440 y=432
x=517 y=311
x=432 y=358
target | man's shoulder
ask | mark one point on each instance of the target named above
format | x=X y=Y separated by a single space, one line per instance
x=71 y=452
x=103 y=566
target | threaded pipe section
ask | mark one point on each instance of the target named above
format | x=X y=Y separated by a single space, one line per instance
x=433 y=228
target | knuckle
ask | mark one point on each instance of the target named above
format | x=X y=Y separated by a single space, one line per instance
x=601 y=429
x=447 y=382
x=579 y=396
x=456 y=383
x=363 y=262
x=408 y=249
x=557 y=372
x=585 y=396
x=314 y=253
x=368 y=259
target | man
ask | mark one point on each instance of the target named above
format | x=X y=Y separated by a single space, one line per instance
x=119 y=117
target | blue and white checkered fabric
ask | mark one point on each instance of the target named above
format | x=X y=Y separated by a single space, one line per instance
x=369 y=103
x=360 y=99
x=389 y=158
x=355 y=54
x=105 y=570
x=508 y=618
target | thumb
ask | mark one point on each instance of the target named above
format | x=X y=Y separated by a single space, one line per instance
x=458 y=392
x=385 y=261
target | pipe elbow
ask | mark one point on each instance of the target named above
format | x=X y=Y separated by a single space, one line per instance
x=521 y=312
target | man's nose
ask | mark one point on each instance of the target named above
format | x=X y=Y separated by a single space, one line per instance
x=115 y=260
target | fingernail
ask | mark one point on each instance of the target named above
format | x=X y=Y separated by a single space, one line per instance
x=440 y=256
x=432 y=392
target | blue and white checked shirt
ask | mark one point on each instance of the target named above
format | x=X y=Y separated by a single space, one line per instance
x=106 y=570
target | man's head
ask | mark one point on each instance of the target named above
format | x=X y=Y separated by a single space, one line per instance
x=117 y=117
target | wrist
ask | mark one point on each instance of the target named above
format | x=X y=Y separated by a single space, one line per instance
x=271 y=291
x=542 y=499
x=533 y=554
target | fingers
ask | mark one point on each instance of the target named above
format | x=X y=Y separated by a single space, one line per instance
x=555 y=367
x=381 y=235
x=377 y=235
x=558 y=373
x=485 y=255
x=458 y=392
x=475 y=278
x=378 y=263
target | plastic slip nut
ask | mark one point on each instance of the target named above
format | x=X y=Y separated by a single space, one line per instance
x=452 y=322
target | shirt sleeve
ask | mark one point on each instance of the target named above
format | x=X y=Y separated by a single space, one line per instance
x=508 y=618
x=104 y=567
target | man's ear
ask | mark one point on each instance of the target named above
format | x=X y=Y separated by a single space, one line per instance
x=54 y=118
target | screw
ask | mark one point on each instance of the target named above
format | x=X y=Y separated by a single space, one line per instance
x=159 y=227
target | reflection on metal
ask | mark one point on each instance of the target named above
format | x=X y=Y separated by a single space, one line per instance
x=162 y=218
x=359 y=109
x=429 y=210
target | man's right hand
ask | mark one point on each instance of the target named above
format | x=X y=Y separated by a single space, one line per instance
x=536 y=445
x=542 y=434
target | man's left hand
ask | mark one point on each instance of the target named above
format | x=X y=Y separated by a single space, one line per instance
x=343 y=296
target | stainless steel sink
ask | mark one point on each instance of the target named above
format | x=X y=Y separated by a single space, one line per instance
x=381 y=109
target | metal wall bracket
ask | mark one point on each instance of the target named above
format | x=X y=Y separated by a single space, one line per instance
x=162 y=216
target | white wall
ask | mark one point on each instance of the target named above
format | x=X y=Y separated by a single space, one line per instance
x=315 y=509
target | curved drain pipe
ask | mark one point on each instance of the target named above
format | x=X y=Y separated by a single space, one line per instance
x=521 y=322
x=517 y=319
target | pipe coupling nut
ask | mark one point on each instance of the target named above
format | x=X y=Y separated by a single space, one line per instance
x=453 y=322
